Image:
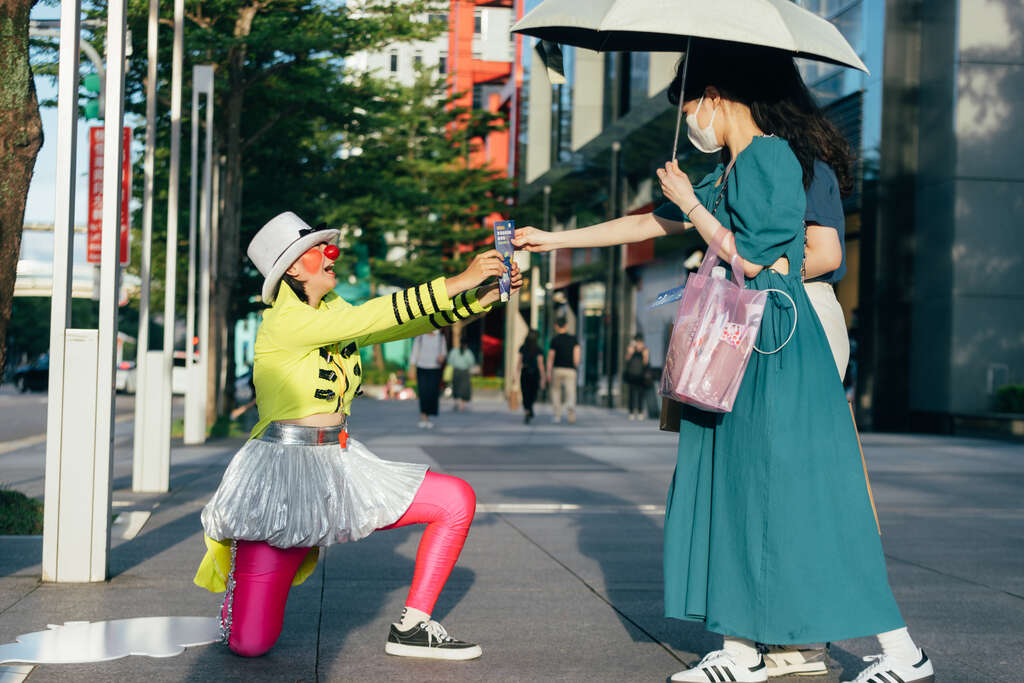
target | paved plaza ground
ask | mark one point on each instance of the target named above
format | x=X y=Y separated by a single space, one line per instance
x=561 y=578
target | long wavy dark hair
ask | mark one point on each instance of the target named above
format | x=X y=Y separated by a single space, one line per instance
x=768 y=82
x=531 y=347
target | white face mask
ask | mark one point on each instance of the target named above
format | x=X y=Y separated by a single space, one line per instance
x=703 y=139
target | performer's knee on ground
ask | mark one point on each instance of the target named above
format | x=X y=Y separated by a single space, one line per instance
x=253 y=645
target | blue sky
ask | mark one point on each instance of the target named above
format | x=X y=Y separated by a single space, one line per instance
x=42 y=192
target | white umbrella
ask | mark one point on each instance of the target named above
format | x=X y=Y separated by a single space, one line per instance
x=667 y=26
x=663 y=26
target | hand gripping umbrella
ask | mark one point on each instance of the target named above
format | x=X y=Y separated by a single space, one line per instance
x=668 y=26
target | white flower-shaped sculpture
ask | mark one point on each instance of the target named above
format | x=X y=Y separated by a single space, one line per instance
x=78 y=642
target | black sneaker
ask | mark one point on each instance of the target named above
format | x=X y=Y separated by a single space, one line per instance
x=429 y=639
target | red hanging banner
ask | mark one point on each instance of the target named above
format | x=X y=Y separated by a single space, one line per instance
x=95 y=222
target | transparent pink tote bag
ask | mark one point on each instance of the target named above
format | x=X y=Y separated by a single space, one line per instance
x=714 y=334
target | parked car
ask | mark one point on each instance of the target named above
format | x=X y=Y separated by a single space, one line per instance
x=34 y=376
x=125 y=377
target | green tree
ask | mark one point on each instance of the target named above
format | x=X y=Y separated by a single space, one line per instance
x=411 y=190
x=21 y=135
x=279 y=79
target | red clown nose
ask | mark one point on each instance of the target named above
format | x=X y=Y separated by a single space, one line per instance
x=331 y=251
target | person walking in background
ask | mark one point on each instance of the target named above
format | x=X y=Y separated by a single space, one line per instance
x=635 y=375
x=563 y=359
x=461 y=361
x=428 y=354
x=530 y=368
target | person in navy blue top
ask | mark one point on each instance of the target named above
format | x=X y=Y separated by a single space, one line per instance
x=825 y=258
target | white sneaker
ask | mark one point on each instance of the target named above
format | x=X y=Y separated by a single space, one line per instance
x=632 y=417
x=784 y=661
x=422 y=424
x=558 y=418
x=720 y=667
x=885 y=668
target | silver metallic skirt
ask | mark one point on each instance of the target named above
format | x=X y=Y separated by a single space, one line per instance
x=295 y=486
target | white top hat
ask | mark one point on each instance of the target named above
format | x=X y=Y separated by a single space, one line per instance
x=279 y=243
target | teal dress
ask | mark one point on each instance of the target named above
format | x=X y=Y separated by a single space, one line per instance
x=769 y=532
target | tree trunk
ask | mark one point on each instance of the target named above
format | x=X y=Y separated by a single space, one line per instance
x=21 y=135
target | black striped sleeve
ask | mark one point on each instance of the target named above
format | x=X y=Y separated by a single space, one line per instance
x=433 y=321
x=433 y=299
x=419 y=301
x=394 y=306
x=448 y=318
x=408 y=308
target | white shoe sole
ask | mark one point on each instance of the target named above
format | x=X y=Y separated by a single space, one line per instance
x=807 y=669
x=461 y=654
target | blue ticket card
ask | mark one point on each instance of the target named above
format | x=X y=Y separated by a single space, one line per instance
x=504 y=231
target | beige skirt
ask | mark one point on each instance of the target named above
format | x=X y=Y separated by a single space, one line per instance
x=830 y=313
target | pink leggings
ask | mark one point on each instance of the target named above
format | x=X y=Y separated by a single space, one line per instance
x=263 y=574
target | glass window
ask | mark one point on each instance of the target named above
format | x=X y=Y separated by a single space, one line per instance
x=393 y=62
x=639 y=75
x=478 y=21
x=442 y=63
x=417 y=59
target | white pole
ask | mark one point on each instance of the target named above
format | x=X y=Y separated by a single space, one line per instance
x=145 y=392
x=193 y=434
x=196 y=391
x=109 y=268
x=60 y=309
x=205 y=75
x=177 y=60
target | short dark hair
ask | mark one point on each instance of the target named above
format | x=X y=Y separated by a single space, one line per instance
x=561 y=322
x=297 y=286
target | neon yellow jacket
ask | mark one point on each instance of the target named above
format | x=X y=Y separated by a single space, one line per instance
x=307 y=363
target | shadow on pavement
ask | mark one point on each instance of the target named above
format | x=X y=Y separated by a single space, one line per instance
x=627 y=547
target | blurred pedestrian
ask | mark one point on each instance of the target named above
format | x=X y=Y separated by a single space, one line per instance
x=635 y=376
x=428 y=355
x=461 y=360
x=563 y=361
x=530 y=368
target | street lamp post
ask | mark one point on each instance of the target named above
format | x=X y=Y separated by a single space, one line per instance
x=196 y=375
x=610 y=280
x=150 y=470
x=549 y=284
x=79 y=444
x=171 y=273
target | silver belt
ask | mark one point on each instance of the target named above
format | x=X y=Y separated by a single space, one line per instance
x=292 y=434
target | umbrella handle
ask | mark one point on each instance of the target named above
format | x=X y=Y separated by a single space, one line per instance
x=682 y=91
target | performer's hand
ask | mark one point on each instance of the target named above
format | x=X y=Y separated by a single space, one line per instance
x=516 y=277
x=676 y=186
x=489 y=295
x=484 y=265
x=533 y=239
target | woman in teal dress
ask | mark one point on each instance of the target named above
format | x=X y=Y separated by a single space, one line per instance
x=769 y=532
